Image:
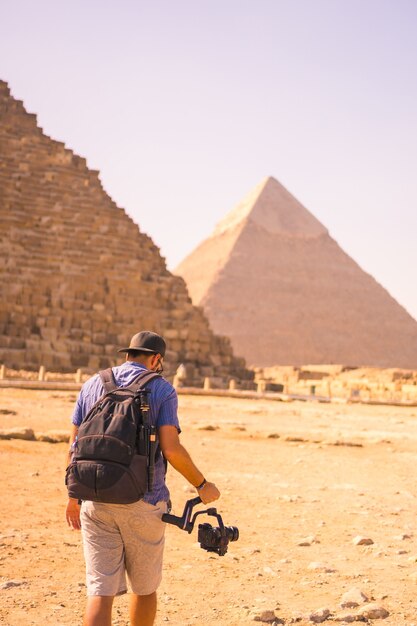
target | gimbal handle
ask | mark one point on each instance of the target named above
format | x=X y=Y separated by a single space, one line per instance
x=183 y=522
x=186 y=522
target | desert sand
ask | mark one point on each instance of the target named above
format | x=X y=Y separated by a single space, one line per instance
x=302 y=481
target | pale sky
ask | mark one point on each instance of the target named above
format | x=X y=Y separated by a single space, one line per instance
x=185 y=105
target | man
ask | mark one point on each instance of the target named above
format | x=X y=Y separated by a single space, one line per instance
x=129 y=538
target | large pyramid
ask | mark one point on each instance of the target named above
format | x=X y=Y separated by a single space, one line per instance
x=272 y=279
x=78 y=278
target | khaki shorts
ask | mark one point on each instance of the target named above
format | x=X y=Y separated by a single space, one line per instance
x=122 y=539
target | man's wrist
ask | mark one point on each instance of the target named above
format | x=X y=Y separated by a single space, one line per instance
x=201 y=485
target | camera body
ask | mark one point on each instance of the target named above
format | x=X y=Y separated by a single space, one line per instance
x=211 y=538
x=216 y=539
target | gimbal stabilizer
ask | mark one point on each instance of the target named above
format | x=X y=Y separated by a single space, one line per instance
x=212 y=539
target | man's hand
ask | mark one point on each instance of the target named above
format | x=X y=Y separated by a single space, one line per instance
x=208 y=493
x=73 y=514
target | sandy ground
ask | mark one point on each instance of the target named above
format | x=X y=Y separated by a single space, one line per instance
x=294 y=487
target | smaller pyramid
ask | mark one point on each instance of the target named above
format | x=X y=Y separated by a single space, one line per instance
x=272 y=279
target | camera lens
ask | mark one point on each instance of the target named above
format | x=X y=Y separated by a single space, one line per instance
x=232 y=533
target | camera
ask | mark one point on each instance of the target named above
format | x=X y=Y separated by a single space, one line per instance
x=216 y=539
x=211 y=538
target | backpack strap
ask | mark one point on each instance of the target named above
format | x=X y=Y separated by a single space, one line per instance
x=142 y=380
x=109 y=383
x=107 y=378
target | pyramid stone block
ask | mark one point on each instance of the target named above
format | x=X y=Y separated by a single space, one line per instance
x=272 y=279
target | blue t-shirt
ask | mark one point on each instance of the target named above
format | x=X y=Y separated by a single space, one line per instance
x=163 y=404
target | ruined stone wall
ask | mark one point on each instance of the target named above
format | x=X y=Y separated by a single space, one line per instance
x=78 y=278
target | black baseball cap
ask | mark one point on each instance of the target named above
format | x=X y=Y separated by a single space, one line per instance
x=146 y=341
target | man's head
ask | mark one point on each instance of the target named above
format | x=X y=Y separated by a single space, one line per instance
x=148 y=348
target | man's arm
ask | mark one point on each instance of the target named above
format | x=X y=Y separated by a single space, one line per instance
x=179 y=458
x=73 y=508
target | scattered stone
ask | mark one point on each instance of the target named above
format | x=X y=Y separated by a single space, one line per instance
x=7 y=412
x=267 y=617
x=209 y=427
x=295 y=439
x=319 y=616
x=273 y=436
x=348 y=444
x=353 y=598
x=308 y=541
x=12 y=583
x=402 y=537
x=373 y=611
x=317 y=566
x=293 y=498
x=269 y=570
x=53 y=436
x=17 y=433
x=362 y=541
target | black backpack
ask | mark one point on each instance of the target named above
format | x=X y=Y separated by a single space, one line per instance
x=114 y=454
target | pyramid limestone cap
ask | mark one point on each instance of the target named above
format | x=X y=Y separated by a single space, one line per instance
x=270 y=206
